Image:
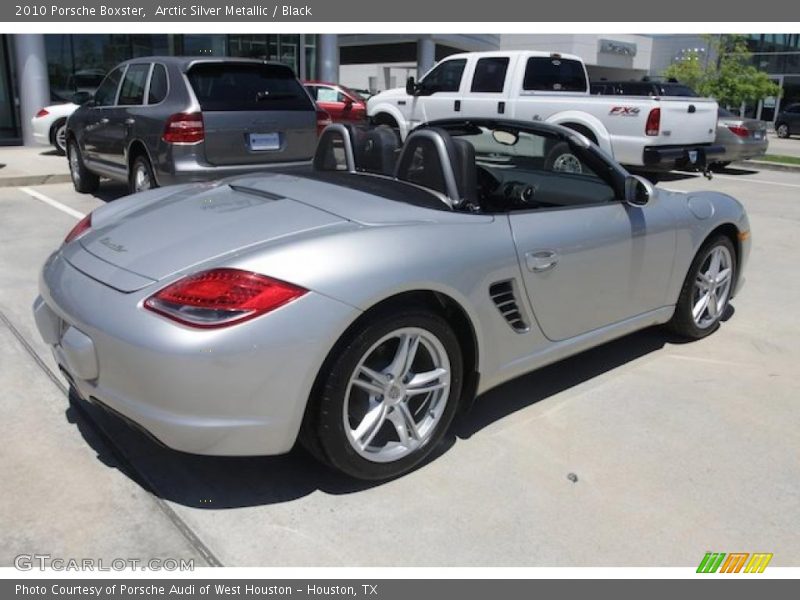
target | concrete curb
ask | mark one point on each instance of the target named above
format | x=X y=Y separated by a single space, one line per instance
x=766 y=165
x=22 y=180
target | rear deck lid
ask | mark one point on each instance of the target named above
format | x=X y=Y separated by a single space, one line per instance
x=253 y=113
x=186 y=230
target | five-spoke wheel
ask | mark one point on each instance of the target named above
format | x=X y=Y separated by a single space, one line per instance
x=388 y=396
x=707 y=289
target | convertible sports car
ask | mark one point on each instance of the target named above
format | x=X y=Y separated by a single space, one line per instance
x=360 y=304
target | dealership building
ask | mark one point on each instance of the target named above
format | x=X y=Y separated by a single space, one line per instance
x=37 y=69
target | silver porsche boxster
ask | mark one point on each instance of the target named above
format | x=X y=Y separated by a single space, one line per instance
x=359 y=304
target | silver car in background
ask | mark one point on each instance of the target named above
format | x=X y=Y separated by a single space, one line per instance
x=742 y=138
x=163 y=120
x=360 y=305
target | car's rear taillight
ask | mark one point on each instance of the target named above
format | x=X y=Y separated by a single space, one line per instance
x=653 y=126
x=323 y=120
x=739 y=130
x=84 y=225
x=184 y=128
x=42 y=113
x=221 y=297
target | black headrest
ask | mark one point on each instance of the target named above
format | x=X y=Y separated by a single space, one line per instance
x=333 y=145
x=378 y=152
x=466 y=172
x=420 y=162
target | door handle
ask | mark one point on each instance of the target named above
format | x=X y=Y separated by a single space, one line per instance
x=130 y=121
x=539 y=261
x=104 y=121
x=457 y=105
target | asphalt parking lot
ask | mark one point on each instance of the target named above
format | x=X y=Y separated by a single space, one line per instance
x=643 y=452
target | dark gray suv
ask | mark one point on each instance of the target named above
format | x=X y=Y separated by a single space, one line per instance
x=162 y=120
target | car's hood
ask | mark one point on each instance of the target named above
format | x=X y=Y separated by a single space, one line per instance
x=165 y=235
x=387 y=95
x=164 y=231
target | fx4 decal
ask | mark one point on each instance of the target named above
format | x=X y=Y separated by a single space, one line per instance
x=624 y=111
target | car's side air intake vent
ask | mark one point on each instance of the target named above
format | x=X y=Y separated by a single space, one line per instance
x=504 y=297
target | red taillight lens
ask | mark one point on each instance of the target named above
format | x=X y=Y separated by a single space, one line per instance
x=84 y=225
x=653 y=125
x=221 y=297
x=184 y=128
x=323 y=120
x=42 y=113
x=739 y=130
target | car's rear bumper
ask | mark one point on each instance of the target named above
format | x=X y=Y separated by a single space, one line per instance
x=744 y=151
x=691 y=157
x=237 y=391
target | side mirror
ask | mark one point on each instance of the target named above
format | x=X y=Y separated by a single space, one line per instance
x=411 y=87
x=638 y=191
x=82 y=98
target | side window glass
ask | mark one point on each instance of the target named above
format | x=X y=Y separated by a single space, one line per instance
x=326 y=94
x=132 y=92
x=490 y=75
x=445 y=77
x=158 y=85
x=106 y=92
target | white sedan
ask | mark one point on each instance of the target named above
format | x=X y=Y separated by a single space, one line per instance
x=50 y=125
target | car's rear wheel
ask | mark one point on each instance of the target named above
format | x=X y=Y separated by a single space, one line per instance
x=707 y=290
x=782 y=129
x=83 y=180
x=141 y=176
x=388 y=396
x=58 y=137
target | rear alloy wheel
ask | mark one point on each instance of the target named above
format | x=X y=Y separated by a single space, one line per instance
x=389 y=397
x=782 y=130
x=561 y=159
x=707 y=290
x=60 y=138
x=83 y=180
x=141 y=177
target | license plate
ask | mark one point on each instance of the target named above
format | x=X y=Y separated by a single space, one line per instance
x=264 y=141
x=693 y=156
x=758 y=135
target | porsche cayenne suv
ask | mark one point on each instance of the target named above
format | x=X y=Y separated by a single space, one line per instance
x=163 y=120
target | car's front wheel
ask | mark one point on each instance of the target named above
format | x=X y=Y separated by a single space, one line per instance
x=782 y=130
x=387 y=397
x=83 y=180
x=707 y=290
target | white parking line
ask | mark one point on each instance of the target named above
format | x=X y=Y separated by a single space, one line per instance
x=745 y=179
x=54 y=203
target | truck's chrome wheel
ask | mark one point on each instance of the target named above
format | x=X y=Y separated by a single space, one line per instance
x=141 y=179
x=712 y=287
x=74 y=164
x=397 y=395
x=567 y=163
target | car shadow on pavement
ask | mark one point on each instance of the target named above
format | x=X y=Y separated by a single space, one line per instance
x=233 y=482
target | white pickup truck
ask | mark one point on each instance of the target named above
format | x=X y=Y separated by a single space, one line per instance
x=647 y=133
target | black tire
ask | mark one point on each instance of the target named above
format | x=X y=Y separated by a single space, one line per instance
x=683 y=322
x=324 y=434
x=561 y=158
x=58 y=137
x=83 y=180
x=782 y=130
x=141 y=164
x=720 y=165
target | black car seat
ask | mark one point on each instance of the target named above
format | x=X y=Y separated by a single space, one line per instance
x=466 y=172
x=377 y=151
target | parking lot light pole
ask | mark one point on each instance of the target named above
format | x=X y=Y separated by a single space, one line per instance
x=34 y=85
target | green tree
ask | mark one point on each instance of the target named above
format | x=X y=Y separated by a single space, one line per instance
x=731 y=79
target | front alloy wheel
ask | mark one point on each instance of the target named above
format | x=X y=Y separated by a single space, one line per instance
x=782 y=130
x=707 y=289
x=386 y=397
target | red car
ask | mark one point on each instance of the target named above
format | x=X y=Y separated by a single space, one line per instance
x=341 y=103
